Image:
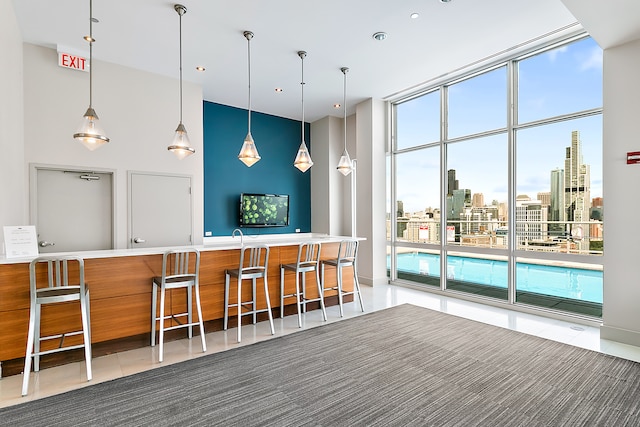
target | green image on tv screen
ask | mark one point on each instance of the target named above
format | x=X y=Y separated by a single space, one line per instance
x=264 y=210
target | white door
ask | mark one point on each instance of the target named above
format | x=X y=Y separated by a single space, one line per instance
x=160 y=210
x=72 y=210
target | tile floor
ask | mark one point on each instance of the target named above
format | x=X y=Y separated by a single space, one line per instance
x=63 y=378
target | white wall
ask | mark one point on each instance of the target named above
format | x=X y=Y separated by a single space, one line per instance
x=139 y=112
x=621 y=104
x=326 y=194
x=12 y=189
x=371 y=134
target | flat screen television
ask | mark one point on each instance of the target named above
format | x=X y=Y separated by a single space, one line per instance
x=264 y=210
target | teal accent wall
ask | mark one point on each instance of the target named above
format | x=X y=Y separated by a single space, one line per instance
x=225 y=177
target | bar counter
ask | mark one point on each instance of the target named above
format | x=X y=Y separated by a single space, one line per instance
x=120 y=288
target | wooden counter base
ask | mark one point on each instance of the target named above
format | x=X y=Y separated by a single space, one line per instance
x=120 y=290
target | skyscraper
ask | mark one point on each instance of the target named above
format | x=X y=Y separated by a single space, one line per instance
x=452 y=182
x=557 y=212
x=577 y=190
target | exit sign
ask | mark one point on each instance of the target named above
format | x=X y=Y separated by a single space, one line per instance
x=75 y=62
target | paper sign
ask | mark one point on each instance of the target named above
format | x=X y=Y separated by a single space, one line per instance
x=20 y=241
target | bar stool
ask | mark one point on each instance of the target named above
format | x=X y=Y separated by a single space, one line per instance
x=177 y=273
x=308 y=260
x=252 y=266
x=58 y=290
x=347 y=257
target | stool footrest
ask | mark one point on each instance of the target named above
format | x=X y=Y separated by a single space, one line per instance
x=182 y=325
x=55 y=350
x=61 y=336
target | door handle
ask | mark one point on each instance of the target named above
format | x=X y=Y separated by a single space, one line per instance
x=138 y=240
x=44 y=243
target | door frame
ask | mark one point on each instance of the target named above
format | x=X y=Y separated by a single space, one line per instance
x=33 y=190
x=130 y=173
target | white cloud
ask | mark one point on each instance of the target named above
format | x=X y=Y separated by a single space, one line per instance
x=553 y=54
x=594 y=60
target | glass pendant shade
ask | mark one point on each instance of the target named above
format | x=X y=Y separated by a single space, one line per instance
x=181 y=146
x=90 y=134
x=249 y=153
x=344 y=165
x=303 y=159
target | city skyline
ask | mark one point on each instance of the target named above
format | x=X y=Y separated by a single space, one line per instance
x=561 y=81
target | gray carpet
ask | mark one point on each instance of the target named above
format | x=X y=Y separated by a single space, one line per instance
x=404 y=366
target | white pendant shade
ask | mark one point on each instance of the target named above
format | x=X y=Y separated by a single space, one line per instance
x=303 y=159
x=90 y=134
x=249 y=153
x=344 y=165
x=181 y=146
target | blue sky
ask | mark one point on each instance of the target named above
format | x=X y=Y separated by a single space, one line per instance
x=561 y=81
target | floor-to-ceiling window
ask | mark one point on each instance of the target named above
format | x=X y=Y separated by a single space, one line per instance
x=495 y=187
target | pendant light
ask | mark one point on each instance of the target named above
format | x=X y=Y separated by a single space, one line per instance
x=303 y=159
x=344 y=165
x=249 y=153
x=90 y=134
x=181 y=146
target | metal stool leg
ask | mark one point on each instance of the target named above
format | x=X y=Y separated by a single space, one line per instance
x=266 y=295
x=297 y=298
x=36 y=344
x=200 y=319
x=189 y=311
x=281 y=292
x=239 y=309
x=339 y=274
x=225 y=322
x=161 y=326
x=29 y=353
x=254 y=300
x=84 y=308
x=321 y=295
x=154 y=313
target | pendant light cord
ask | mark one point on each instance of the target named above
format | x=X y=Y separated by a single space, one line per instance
x=302 y=55
x=249 y=35
x=344 y=105
x=90 y=53
x=181 y=13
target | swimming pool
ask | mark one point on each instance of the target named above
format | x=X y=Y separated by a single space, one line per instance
x=564 y=282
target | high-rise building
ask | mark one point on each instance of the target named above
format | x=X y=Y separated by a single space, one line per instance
x=545 y=198
x=452 y=182
x=478 y=200
x=531 y=221
x=557 y=212
x=577 y=191
x=457 y=202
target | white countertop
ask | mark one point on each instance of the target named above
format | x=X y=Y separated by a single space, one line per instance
x=216 y=243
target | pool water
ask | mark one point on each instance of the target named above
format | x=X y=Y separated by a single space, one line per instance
x=565 y=282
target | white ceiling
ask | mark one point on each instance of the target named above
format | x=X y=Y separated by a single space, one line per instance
x=143 y=34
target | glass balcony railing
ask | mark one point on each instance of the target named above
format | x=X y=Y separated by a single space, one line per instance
x=574 y=237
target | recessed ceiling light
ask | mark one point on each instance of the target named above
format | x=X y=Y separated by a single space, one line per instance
x=380 y=35
x=445 y=1
x=414 y=15
x=200 y=68
x=336 y=106
x=278 y=89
